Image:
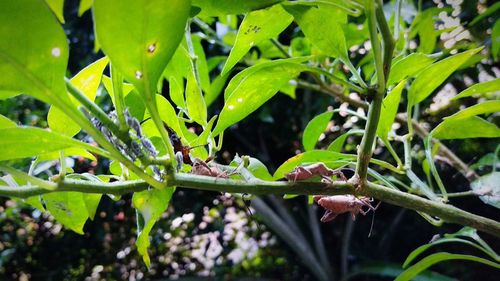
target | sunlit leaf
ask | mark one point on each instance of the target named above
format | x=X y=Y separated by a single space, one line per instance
x=252 y=87
x=408 y=67
x=201 y=62
x=28 y=141
x=314 y=129
x=322 y=25
x=68 y=208
x=389 y=110
x=6 y=122
x=87 y=81
x=33 y=59
x=312 y=156
x=72 y=151
x=140 y=38
x=150 y=204
x=57 y=7
x=195 y=101
x=489 y=186
x=391 y=271
x=224 y=7
x=462 y=128
x=108 y=85
x=434 y=75
x=85 y=5
x=255 y=166
x=256 y=27
x=480 y=89
x=477 y=109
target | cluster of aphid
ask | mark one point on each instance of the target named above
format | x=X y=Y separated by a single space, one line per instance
x=137 y=146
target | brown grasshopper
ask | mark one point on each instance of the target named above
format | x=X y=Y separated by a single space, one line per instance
x=202 y=168
x=339 y=204
x=318 y=169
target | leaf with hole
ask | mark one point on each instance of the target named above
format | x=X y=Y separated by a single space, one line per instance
x=256 y=27
x=136 y=39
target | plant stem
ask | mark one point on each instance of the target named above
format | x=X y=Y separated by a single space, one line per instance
x=444 y=211
x=117 y=80
x=94 y=109
x=382 y=64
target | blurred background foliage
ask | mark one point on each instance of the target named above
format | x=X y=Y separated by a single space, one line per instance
x=206 y=234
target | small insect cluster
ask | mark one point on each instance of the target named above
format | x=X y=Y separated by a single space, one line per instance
x=337 y=204
x=137 y=146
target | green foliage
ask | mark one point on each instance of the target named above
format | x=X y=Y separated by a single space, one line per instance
x=154 y=133
x=256 y=27
x=252 y=87
x=434 y=75
x=34 y=36
x=28 y=142
x=150 y=204
x=314 y=129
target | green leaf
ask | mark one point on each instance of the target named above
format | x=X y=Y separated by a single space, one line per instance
x=424 y=26
x=87 y=81
x=392 y=271
x=480 y=89
x=140 y=38
x=85 y=5
x=201 y=63
x=150 y=204
x=68 y=208
x=338 y=143
x=489 y=186
x=8 y=94
x=20 y=142
x=252 y=87
x=322 y=25
x=6 y=122
x=490 y=11
x=439 y=257
x=434 y=75
x=314 y=129
x=57 y=7
x=463 y=128
x=389 y=110
x=495 y=40
x=91 y=203
x=108 y=85
x=255 y=166
x=195 y=103
x=312 y=156
x=408 y=67
x=73 y=151
x=225 y=7
x=167 y=114
x=256 y=27
x=477 y=109
x=216 y=88
x=33 y=59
